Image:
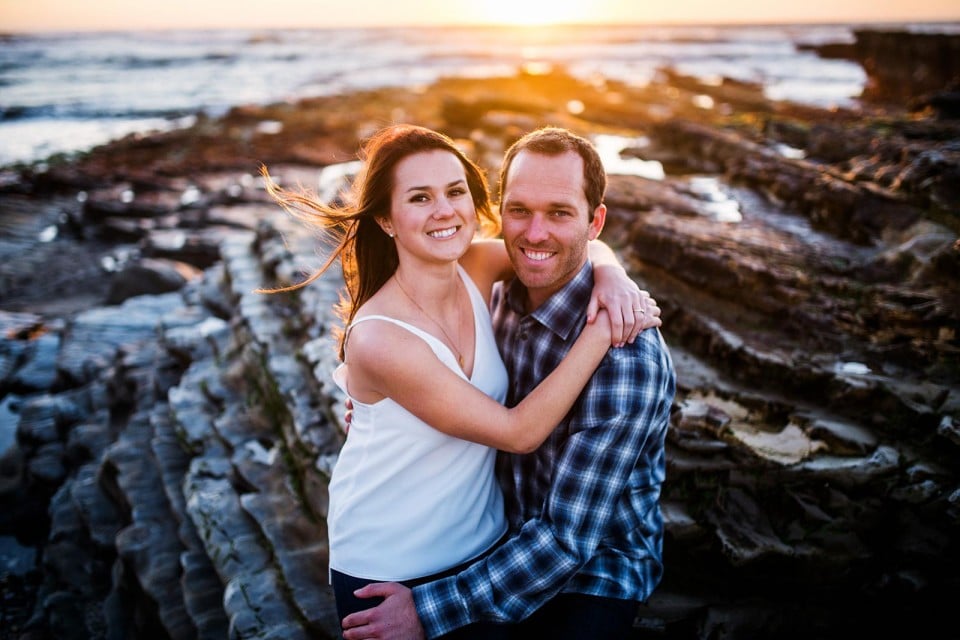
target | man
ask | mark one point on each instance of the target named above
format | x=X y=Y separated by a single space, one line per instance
x=586 y=529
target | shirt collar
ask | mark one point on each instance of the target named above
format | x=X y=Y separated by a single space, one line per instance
x=564 y=311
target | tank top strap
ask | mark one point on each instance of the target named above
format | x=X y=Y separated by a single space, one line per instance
x=427 y=337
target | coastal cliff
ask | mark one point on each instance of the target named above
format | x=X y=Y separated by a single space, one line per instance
x=168 y=433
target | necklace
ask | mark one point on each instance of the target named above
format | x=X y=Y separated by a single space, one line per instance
x=454 y=344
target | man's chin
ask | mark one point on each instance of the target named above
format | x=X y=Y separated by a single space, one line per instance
x=534 y=279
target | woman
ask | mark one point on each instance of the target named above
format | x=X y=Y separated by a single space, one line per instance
x=413 y=495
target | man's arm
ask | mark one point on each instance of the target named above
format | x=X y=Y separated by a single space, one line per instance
x=626 y=408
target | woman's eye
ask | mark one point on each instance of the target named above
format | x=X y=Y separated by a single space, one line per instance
x=420 y=197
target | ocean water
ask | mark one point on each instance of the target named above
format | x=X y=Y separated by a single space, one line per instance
x=62 y=93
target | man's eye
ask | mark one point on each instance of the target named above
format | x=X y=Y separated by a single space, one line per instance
x=560 y=213
x=516 y=211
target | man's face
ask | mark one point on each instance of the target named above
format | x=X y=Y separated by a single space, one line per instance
x=546 y=221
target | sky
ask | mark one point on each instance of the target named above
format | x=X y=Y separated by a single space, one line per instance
x=96 y=15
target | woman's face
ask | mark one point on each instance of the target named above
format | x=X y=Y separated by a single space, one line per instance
x=431 y=208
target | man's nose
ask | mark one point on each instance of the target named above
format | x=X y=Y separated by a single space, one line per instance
x=536 y=229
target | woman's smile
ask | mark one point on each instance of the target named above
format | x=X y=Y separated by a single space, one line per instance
x=441 y=234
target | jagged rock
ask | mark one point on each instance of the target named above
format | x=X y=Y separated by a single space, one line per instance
x=9 y=413
x=946 y=104
x=198 y=341
x=125 y=200
x=259 y=610
x=903 y=64
x=39 y=372
x=92 y=339
x=203 y=595
x=744 y=531
x=102 y=519
x=809 y=300
x=149 y=546
x=18 y=560
x=300 y=549
x=88 y=439
x=65 y=615
x=46 y=465
x=149 y=276
x=44 y=418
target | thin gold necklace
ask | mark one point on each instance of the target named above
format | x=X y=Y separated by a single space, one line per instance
x=454 y=345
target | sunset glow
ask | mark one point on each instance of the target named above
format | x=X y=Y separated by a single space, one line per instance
x=535 y=12
x=69 y=15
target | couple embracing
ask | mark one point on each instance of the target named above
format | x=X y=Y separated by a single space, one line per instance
x=501 y=475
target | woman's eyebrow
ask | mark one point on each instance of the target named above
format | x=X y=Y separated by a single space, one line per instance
x=447 y=186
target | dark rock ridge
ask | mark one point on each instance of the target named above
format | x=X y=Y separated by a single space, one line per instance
x=905 y=67
x=164 y=458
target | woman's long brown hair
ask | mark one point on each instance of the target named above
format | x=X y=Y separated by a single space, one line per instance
x=367 y=255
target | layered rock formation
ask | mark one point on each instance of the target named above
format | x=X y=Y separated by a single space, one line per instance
x=165 y=456
x=905 y=67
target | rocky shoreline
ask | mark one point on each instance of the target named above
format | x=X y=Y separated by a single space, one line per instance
x=166 y=434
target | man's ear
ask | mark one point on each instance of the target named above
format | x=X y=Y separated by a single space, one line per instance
x=599 y=218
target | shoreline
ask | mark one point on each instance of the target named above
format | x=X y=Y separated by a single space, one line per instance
x=204 y=69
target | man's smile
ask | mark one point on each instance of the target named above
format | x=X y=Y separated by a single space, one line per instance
x=538 y=255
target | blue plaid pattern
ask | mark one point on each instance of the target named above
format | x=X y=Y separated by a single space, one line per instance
x=584 y=508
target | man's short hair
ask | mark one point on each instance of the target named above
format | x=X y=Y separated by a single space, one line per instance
x=554 y=141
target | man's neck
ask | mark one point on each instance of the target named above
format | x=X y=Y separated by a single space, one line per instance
x=535 y=298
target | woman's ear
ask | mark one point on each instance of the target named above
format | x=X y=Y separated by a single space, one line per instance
x=386 y=225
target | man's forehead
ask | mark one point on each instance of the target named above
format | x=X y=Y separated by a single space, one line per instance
x=527 y=160
x=535 y=176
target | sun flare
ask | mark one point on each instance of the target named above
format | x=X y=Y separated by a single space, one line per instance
x=533 y=12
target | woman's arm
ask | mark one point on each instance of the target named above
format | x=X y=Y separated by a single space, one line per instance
x=631 y=309
x=382 y=359
x=487 y=262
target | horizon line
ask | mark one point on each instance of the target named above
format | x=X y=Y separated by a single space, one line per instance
x=4 y=33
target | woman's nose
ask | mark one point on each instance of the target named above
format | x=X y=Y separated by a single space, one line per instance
x=444 y=207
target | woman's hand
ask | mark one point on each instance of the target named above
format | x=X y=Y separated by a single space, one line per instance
x=630 y=309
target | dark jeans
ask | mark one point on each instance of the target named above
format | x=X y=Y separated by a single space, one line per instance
x=344 y=586
x=574 y=616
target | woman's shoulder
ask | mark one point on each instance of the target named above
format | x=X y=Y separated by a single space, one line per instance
x=376 y=337
x=484 y=263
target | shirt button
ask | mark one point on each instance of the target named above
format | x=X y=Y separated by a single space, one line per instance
x=523 y=335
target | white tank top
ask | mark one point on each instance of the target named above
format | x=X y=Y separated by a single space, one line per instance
x=406 y=500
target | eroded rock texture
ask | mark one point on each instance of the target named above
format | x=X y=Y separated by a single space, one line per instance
x=166 y=433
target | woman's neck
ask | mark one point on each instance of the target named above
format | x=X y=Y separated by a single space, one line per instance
x=432 y=288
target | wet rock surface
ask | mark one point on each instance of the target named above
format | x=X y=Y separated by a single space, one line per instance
x=166 y=434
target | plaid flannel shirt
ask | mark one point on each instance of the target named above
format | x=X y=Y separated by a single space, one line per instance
x=584 y=508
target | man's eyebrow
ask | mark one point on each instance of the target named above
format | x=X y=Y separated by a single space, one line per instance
x=556 y=204
x=447 y=186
